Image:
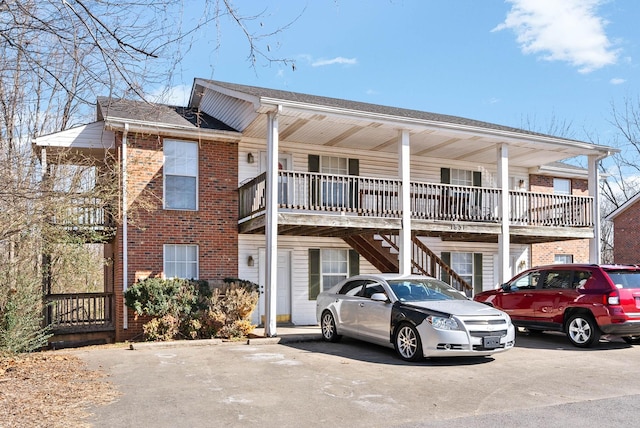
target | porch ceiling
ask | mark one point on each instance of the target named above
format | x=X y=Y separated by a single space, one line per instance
x=369 y=134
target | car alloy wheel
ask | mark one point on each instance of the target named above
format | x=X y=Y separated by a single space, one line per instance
x=328 y=327
x=582 y=330
x=407 y=343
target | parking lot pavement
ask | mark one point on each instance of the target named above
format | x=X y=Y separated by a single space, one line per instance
x=542 y=381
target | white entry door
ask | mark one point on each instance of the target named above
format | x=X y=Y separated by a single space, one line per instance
x=283 y=289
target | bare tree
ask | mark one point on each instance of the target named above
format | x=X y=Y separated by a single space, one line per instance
x=55 y=58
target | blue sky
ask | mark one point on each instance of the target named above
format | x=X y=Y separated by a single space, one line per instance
x=522 y=63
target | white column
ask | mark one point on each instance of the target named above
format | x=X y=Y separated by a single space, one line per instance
x=271 y=225
x=404 y=172
x=503 y=239
x=594 y=191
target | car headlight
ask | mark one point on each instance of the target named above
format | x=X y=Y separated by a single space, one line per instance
x=442 y=323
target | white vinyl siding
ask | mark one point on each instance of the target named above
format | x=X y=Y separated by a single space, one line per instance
x=180 y=175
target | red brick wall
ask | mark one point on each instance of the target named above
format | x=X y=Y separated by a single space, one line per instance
x=214 y=227
x=626 y=236
x=543 y=254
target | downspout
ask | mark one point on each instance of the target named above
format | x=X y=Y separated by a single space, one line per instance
x=595 y=247
x=125 y=240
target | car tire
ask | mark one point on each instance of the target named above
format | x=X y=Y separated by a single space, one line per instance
x=407 y=343
x=632 y=340
x=582 y=330
x=328 y=328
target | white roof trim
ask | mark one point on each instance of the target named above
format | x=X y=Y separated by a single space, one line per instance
x=622 y=208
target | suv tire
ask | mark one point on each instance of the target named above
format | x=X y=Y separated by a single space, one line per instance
x=582 y=330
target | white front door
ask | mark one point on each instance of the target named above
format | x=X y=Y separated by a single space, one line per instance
x=283 y=289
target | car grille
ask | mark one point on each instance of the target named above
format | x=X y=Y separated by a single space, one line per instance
x=485 y=326
x=479 y=327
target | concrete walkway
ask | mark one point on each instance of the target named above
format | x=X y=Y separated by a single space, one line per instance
x=286 y=334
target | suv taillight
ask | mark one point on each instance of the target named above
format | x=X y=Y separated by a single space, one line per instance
x=613 y=298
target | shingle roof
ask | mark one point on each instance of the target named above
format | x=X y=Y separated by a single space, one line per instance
x=366 y=107
x=157 y=113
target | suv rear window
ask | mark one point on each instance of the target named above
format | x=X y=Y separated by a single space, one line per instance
x=625 y=278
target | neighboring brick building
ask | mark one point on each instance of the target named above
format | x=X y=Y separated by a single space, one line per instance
x=626 y=232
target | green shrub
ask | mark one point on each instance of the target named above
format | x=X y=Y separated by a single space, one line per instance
x=189 y=309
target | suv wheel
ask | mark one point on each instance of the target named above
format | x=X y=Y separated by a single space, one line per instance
x=582 y=330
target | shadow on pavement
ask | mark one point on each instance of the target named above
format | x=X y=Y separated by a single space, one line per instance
x=354 y=349
x=558 y=341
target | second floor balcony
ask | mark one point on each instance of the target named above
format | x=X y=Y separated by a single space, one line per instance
x=436 y=209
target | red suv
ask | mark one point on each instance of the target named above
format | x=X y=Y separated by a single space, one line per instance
x=581 y=300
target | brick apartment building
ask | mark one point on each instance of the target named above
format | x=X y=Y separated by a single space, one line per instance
x=295 y=192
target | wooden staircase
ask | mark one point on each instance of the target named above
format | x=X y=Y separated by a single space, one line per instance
x=381 y=250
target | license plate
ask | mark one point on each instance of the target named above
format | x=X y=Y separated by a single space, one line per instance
x=491 y=342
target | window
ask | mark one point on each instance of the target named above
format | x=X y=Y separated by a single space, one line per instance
x=351 y=288
x=334 y=267
x=334 y=189
x=563 y=258
x=181 y=261
x=461 y=177
x=526 y=282
x=558 y=279
x=462 y=263
x=561 y=186
x=180 y=175
x=372 y=288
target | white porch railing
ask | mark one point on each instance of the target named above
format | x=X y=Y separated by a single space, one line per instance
x=378 y=197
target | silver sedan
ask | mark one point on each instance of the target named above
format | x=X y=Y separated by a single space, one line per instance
x=419 y=316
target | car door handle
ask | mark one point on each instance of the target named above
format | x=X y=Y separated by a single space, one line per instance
x=528 y=295
x=361 y=305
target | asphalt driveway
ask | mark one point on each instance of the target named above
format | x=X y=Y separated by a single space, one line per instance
x=543 y=381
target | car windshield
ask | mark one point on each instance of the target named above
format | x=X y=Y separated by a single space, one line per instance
x=415 y=290
x=625 y=278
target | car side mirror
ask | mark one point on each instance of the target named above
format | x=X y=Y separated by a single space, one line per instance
x=505 y=287
x=379 y=297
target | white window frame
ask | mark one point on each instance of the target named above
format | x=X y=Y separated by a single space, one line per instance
x=462 y=264
x=180 y=166
x=461 y=177
x=171 y=264
x=559 y=185
x=334 y=192
x=563 y=258
x=335 y=266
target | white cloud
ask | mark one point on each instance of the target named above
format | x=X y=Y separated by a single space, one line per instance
x=617 y=81
x=175 y=95
x=336 y=60
x=565 y=30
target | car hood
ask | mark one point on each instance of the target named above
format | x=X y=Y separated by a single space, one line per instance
x=458 y=307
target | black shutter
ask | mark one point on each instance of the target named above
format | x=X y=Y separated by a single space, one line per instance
x=314 y=273
x=445 y=175
x=314 y=163
x=477 y=273
x=354 y=263
x=446 y=258
x=354 y=169
x=477 y=178
x=476 y=210
x=314 y=191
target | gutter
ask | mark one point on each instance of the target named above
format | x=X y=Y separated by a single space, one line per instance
x=115 y=124
x=125 y=230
